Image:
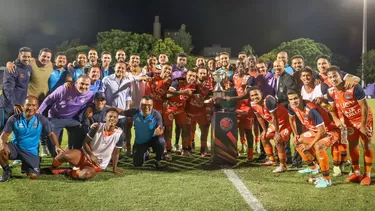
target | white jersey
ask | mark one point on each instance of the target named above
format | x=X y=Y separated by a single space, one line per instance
x=102 y=145
x=317 y=92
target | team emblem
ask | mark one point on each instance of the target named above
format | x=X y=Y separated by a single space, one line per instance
x=347 y=96
x=307 y=134
x=226 y=124
x=350 y=130
x=35 y=125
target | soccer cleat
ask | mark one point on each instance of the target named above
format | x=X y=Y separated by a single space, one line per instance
x=279 y=169
x=309 y=170
x=354 y=178
x=176 y=148
x=366 y=181
x=6 y=176
x=17 y=163
x=346 y=164
x=268 y=163
x=168 y=156
x=336 y=171
x=323 y=183
x=185 y=153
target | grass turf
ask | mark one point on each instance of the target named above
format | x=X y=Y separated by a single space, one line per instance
x=186 y=184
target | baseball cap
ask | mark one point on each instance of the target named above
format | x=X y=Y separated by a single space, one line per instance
x=99 y=96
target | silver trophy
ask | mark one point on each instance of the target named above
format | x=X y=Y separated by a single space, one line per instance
x=218 y=91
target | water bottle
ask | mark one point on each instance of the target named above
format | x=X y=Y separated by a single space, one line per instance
x=344 y=136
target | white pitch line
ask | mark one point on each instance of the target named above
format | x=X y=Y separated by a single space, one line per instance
x=243 y=190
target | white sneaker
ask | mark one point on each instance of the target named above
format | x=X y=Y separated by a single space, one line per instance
x=336 y=171
x=168 y=156
x=17 y=163
x=279 y=169
x=44 y=152
x=176 y=148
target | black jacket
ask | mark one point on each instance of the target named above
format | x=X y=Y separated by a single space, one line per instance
x=286 y=82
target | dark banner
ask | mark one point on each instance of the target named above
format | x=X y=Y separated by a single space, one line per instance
x=224 y=138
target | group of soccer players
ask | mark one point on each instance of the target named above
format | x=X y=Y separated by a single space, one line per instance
x=99 y=104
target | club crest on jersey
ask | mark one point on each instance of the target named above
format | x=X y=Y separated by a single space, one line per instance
x=347 y=96
x=35 y=125
x=305 y=117
x=307 y=134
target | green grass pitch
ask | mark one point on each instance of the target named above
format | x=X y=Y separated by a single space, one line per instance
x=186 y=184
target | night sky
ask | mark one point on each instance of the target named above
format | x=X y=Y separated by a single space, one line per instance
x=264 y=24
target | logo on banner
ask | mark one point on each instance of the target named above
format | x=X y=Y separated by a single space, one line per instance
x=226 y=124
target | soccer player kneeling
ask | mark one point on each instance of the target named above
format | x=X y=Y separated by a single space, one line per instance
x=356 y=116
x=101 y=143
x=321 y=133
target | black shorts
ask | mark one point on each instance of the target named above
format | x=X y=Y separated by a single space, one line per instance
x=30 y=162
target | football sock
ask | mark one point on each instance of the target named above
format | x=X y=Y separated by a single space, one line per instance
x=56 y=163
x=324 y=164
x=354 y=156
x=336 y=153
x=369 y=155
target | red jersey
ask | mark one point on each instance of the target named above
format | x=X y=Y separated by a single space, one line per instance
x=195 y=107
x=240 y=84
x=157 y=88
x=179 y=101
x=346 y=102
x=270 y=105
x=313 y=116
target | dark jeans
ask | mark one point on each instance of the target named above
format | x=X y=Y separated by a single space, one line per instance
x=59 y=125
x=157 y=144
x=297 y=159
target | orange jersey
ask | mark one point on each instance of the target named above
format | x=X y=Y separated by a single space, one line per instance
x=313 y=116
x=179 y=101
x=270 y=105
x=346 y=102
x=157 y=88
x=195 y=107
x=240 y=84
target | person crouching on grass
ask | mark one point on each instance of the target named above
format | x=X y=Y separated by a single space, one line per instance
x=101 y=143
x=27 y=128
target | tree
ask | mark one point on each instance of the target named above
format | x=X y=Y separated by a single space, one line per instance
x=131 y=43
x=167 y=46
x=142 y=44
x=308 y=48
x=248 y=49
x=368 y=67
x=184 y=39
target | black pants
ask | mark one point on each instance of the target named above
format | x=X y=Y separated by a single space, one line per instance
x=157 y=144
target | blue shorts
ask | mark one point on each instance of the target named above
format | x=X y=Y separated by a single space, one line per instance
x=30 y=162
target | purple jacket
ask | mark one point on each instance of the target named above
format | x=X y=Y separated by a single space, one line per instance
x=66 y=103
x=177 y=73
x=266 y=83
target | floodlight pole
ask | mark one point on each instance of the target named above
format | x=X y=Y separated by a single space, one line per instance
x=364 y=38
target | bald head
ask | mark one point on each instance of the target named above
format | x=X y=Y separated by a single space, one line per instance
x=283 y=56
x=278 y=67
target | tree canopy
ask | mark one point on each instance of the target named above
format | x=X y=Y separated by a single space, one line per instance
x=308 y=48
x=368 y=67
